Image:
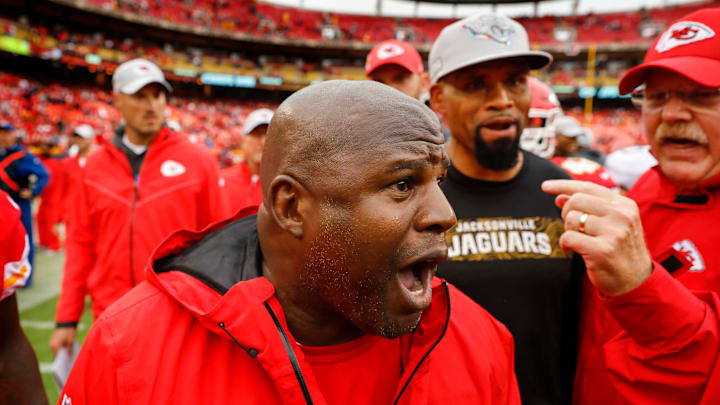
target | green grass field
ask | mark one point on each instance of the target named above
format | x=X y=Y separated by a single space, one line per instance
x=37 y=314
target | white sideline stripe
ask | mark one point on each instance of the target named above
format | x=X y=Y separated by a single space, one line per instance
x=47 y=277
x=33 y=324
x=46 y=368
x=27 y=323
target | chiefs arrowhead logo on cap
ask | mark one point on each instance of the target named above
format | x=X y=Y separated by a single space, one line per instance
x=683 y=33
x=389 y=50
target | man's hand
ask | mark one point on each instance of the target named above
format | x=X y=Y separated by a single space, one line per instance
x=25 y=193
x=612 y=242
x=63 y=337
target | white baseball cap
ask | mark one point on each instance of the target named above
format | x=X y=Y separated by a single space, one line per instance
x=481 y=38
x=263 y=116
x=84 y=131
x=570 y=127
x=135 y=74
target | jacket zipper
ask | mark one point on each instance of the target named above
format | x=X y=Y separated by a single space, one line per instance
x=425 y=356
x=291 y=355
x=132 y=227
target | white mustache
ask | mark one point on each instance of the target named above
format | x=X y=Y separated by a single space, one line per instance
x=690 y=131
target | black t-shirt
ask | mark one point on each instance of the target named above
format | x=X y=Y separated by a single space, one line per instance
x=504 y=254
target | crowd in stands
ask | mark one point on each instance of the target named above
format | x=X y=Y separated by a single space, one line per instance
x=612 y=129
x=78 y=49
x=263 y=19
x=45 y=113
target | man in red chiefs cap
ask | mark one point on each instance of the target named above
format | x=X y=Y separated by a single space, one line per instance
x=668 y=348
x=399 y=65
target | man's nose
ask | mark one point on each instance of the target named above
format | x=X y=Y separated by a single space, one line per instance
x=436 y=213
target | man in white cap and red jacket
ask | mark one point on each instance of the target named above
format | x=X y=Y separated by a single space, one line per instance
x=137 y=188
x=241 y=182
x=657 y=343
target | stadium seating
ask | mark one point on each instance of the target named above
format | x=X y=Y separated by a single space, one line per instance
x=43 y=111
x=264 y=19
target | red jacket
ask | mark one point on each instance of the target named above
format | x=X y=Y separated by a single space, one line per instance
x=207 y=328
x=72 y=169
x=241 y=187
x=52 y=195
x=118 y=221
x=642 y=366
x=14 y=247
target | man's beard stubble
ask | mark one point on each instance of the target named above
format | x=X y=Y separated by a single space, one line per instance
x=499 y=155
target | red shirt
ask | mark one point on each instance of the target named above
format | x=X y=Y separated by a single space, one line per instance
x=338 y=369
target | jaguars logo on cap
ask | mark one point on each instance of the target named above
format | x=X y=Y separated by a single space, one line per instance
x=490 y=27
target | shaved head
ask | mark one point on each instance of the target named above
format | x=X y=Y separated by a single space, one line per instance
x=352 y=203
x=315 y=129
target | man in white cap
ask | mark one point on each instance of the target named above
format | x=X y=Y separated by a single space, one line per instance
x=138 y=188
x=504 y=251
x=398 y=65
x=241 y=182
x=658 y=343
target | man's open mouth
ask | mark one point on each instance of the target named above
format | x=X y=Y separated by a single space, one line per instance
x=415 y=280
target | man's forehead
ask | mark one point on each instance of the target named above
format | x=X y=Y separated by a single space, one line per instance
x=662 y=78
x=502 y=66
x=402 y=152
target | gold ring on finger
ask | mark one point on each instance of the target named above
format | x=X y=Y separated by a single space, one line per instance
x=583 y=219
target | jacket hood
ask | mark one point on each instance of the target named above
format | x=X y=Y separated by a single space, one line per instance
x=203 y=271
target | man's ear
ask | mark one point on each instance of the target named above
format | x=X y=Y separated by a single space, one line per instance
x=286 y=195
x=437 y=98
x=425 y=82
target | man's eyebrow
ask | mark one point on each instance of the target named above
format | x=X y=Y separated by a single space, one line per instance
x=415 y=164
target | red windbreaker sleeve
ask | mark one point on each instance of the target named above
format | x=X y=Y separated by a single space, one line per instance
x=670 y=344
x=79 y=259
x=93 y=379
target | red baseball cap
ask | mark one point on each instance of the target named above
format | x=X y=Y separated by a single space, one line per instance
x=690 y=47
x=394 y=51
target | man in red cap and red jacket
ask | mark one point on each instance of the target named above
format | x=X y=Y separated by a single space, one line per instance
x=399 y=65
x=136 y=189
x=667 y=352
x=327 y=295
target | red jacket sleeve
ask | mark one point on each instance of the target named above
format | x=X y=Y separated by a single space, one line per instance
x=670 y=344
x=79 y=259
x=93 y=379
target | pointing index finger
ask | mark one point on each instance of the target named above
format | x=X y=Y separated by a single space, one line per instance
x=571 y=187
